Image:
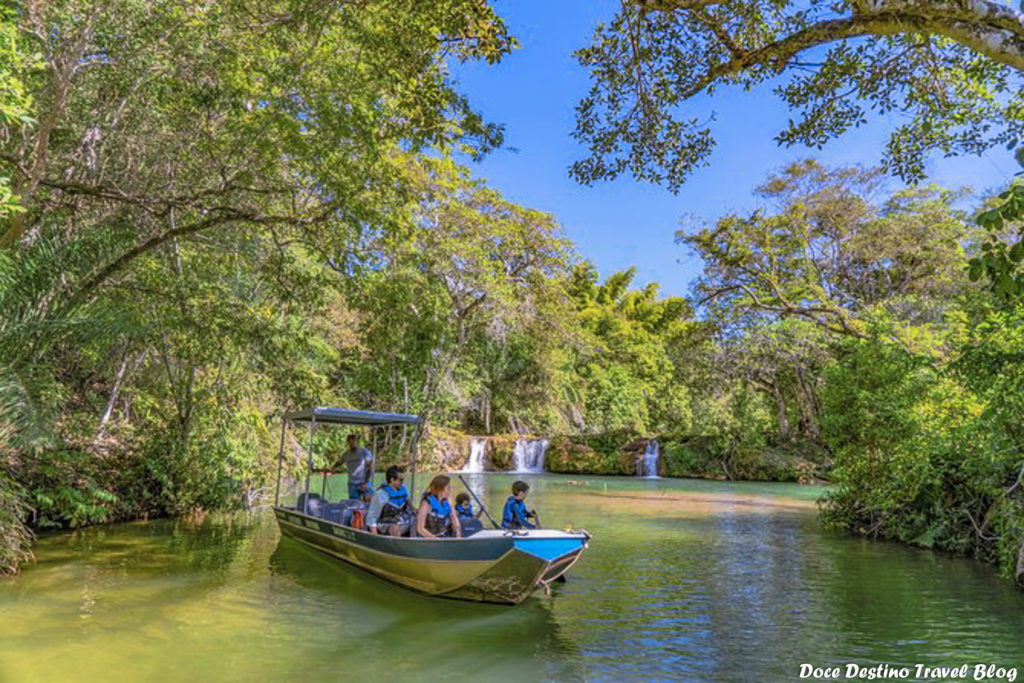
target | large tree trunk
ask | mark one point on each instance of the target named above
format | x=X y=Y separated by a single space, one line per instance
x=115 y=391
x=780 y=402
x=805 y=400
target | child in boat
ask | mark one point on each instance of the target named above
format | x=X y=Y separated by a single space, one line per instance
x=464 y=508
x=354 y=514
x=515 y=515
x=468 y=520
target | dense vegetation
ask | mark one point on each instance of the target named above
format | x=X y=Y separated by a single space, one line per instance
x=917 y=383
x=213 y=212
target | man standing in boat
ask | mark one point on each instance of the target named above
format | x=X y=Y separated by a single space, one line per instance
x=359 y=463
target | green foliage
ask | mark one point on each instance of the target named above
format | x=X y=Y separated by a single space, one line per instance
x=14 y=536
x=192 y=177
x=704 y=458
x=15 y=101
x=226 y=213
x=605 y=453
x=853 y=325
x=459 y=301
x=627 y=380
x=948 y=68
x=832 y=257
x=999 y=262
x=929 y=458
x=67 y=489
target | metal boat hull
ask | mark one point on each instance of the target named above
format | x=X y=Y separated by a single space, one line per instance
x=490 y=566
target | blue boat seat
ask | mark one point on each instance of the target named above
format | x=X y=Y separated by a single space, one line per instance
x=470 y=526
x=341 y=513
x=311 y=504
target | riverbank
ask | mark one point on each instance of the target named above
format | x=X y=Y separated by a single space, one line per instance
x=75 y=488
x=621 y=453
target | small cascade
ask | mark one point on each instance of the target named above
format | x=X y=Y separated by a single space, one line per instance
x=477 y=453
x=528 y=455
x=647 y=466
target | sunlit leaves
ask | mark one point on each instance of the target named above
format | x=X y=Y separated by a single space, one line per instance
x=835 y=66
x=1002 y=251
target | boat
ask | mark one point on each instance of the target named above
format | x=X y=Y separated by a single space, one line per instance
x=488 y=565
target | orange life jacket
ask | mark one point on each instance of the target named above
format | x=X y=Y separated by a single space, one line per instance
x=358 y=519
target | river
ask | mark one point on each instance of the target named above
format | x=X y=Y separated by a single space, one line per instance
x=684 y=579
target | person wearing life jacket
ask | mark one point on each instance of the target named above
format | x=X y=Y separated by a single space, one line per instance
x=515 y=514
x=390 y=512
x=464 y=510
x=436 y=517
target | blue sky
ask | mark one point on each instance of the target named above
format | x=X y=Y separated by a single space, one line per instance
x=624 y=223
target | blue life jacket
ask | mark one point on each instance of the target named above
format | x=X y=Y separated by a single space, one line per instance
x=514 y=515
x=398 y=502
x=439 y=519
x=464 y=510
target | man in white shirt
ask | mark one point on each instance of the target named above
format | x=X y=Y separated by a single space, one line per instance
x=359 y=463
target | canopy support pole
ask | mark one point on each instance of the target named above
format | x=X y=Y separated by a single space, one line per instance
x=373 y=462
x=309 y=469
x=414 y=448
x=280 y=457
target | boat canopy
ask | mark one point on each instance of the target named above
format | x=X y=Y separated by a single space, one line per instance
x=344 y=416
x=351 y=417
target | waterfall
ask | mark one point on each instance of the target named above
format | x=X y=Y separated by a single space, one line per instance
x=528 y=455
x=648 y=465
x=477 y=452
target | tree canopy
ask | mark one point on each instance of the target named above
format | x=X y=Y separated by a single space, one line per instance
x=950 y=69
x=834 y=255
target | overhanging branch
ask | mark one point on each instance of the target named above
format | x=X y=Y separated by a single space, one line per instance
x=220 y=216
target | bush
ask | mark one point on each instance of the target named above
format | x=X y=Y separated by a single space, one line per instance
x=14 y=535
x=922 y=458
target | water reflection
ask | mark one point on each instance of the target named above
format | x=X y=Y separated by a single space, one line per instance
x=731 y=585
x=352 y=606
x=682 y=580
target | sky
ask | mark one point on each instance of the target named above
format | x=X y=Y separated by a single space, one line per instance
x=623 y=223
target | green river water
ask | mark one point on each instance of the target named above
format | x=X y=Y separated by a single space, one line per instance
x=683 y=580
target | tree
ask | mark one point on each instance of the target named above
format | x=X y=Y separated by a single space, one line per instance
x=186 y=170
x=15 y=102
x=462 y=267
x=950 y=66
x=162 y=122
x=833 y=257
x=628 y=380
x=1002 y=253
x=187 y=118
x=783 y=360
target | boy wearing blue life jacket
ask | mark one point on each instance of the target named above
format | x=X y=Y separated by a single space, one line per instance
x=515 y=514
